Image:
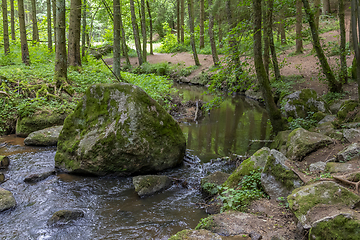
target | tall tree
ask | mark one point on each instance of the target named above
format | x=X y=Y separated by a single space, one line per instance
x=5 y=27
x=123 y=39
x=272 y=44
x=299 y=43
x=343 y=68
x=326 y=7
x=24 y=46
x=49 y=28
x=177 y=20
x=12 y=19
x=182 y=20
x=143 y=28
x=60 y=45
x=211 y=35
x=35 y=33
x=136 y=32
x=202 y=19
x=192 y=31
x=116 y=51
x=282 y=26
x=355 y=31
x=276 y=119
x=334 y=85
x=74 y=58
x=54 y=19
x=83 y=34
x=317 y=11
x=151 y=27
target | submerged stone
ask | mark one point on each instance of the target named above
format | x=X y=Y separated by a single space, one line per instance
x=65 y=216
x=4 y=161
x=45 y=137
x=38 y=177
x=7 y=200
x=150 y=184
x=118 y=128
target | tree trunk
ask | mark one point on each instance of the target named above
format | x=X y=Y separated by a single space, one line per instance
x=178 y=31
x=116 y=48
x=182 y=20
x=83 y=35
x=271 y=39
x=235 y=58
x=334 y=85
x=326 y=7
x=60 y=45
x=123 y=39
x=12 y=13
x=343 y=68
x=49 y=28
x=202 y=19
x=351 y=44
x=192 y=31
x=355 y=28
x=317 y=12
x=220 y=32
x=276 y=119
x=24 y=46
x=143 y=29
x=151 y=28
x=54 y=19
x=282 y=27
x=299 y=42
x=211 y=35
x=266 y=38
x=35 y=33
x=136 y=32
x=74 y=58
x=5 y=27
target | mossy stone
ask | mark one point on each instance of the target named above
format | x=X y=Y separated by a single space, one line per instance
x=4 y=161
x=190 y=234
x=65 y=216
x=210 y=184
x=7 y=200
x=280 y=141
x=149 y=184
x=345 y=108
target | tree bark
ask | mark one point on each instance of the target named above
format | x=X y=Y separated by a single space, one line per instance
x=143 y=29
x=282 y=27
x=355 y=28
x=151 y=28
x=60 y=45
x=74 y=57
x=83 y=34
x=343 y=67
x=24 y=46
x=271 y=39
x=326 y=7
x=123 y=39
x=182 y=21
x=116 y=48
x=334 y=85
x=276 y=119
x=178 y=31
x=317 y=12
x=35 y=33
x=211 y=35
x=12 y=20
x=136 y=32
x=192 y=31
x=202 y=19
x=54 y=19
x=49 y=28
x=299 y=42
x=266 y=39
x=235 y=58
x=5 y=27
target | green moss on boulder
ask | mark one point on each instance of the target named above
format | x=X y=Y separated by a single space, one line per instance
x=45 y=137
x=280 y=141
x=346 y=108
x=7 y=200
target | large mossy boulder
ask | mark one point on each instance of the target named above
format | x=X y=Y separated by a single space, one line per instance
x=300 y=103
x=118 y=128
x=346 y=109
x=255 y=162
x=149 y=184
x=280 y=141
x=39 y=120
x=302 y=142
x=45 y=137
x=7 y=200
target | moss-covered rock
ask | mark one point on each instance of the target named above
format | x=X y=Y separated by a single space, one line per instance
x=346 y=108
x=65 y=217
x=276 y=178
x=336 y=167
x=327 y=128
x=7 y=200
x=255 y=162
x=348 y=153
x=39 y=120
x=351 y=135
x=190 y=234
x=45 y=137
x=318 y=116
x=280 y=141
x=118 y=128
x=302 y=142
x=149 y=184
x=316 y=201
x=4 y=161
x=300 y=103
x=210 y=184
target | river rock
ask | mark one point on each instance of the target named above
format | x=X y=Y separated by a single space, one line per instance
x=348 y=153
x=255 y=162
x=299 y=103
x=320 y=200
x=118 y=128
x=210 y=184
x=4 y=161
x=2 y=178
x=254 y=94
x=39 y=120
x=38 y=177
x=302 y=142
x=190 y=234
x=149 y=184
x=352 y=134
x=63 y=217
x=45 y=137
x=278 y=179
x=7 y=200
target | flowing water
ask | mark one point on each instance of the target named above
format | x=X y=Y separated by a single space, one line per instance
x=112 y=208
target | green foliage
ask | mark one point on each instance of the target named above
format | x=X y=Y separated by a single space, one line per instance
x=285 y=86
x=331 y=96
x=305 y=123
x=211 y=188
x=205 y=223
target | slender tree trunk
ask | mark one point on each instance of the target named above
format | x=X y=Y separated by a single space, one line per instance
x=351 y=44
x=211 y=35
x=326 y=7
x=235 y=58
x=24 y=46
x=355 y=28
x=123 y=39
x=177 y=20
x=74 y=58
x=317 y=12
x=49 y=28
x=282 y=27
x=12 y=13
x=334 y=85
x=299 y=42
x=34 y=21
x=192 y=31
x=276 y=119
x=272 y=45
x=343 y=70
x=136 y=32
x=143 y=29
x=182 y=20
x=267 y=31
x=60 y=45
x=5 y=27
x=220 y=31
x=202 y=19
x=83 y=35
x=54 y=19
x=151 y=28
x=117 y=50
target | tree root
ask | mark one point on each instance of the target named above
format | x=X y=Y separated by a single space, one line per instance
x=356 y=184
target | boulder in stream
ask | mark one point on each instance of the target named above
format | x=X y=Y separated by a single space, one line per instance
x=45 y=137
x=149 y=184
x=63 y=217
x=4 y=161
x=118 y=128
x=33 y=178
x=7 y=200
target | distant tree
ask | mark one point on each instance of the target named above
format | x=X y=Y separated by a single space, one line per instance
x=83 y=34
x=202 y=20
x=5 y=27
x=60 y=45
x=123 y=39
x=298 y=26
x=151 y=27
x=49 y=28
x=116 y=47
x=74 y=58
x=211 y=35
x=343 y=67
x=143 y=29
x=136 y=32
x=24 y=46
x=192 y=31
x=355 y=30
x=12 y=19
x=35 y=33
x=182 y=21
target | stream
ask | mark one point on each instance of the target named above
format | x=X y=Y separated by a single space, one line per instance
x=112 y=208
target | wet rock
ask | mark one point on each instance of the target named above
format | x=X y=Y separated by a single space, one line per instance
x=255 y=162
x=4 y=161
x=38 y=177
x=327 y=118
x=63 y=217
x=118 y=128
x=38 y=121
x=320 y=200
x=149 y=184
x=45 y=137
x=352 y=134
x=302 y=142
x=189 y=234
x=277 y=179
x=349 y=153
x=2 y=178
x=317 y=167
x=7 y=200
x=280 y=141
x=210 y=184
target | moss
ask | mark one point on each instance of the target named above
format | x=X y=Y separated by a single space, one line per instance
x=318 y=116
x=345 y=108
x=244 y=169
x=339 y=228
x=280 y=140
